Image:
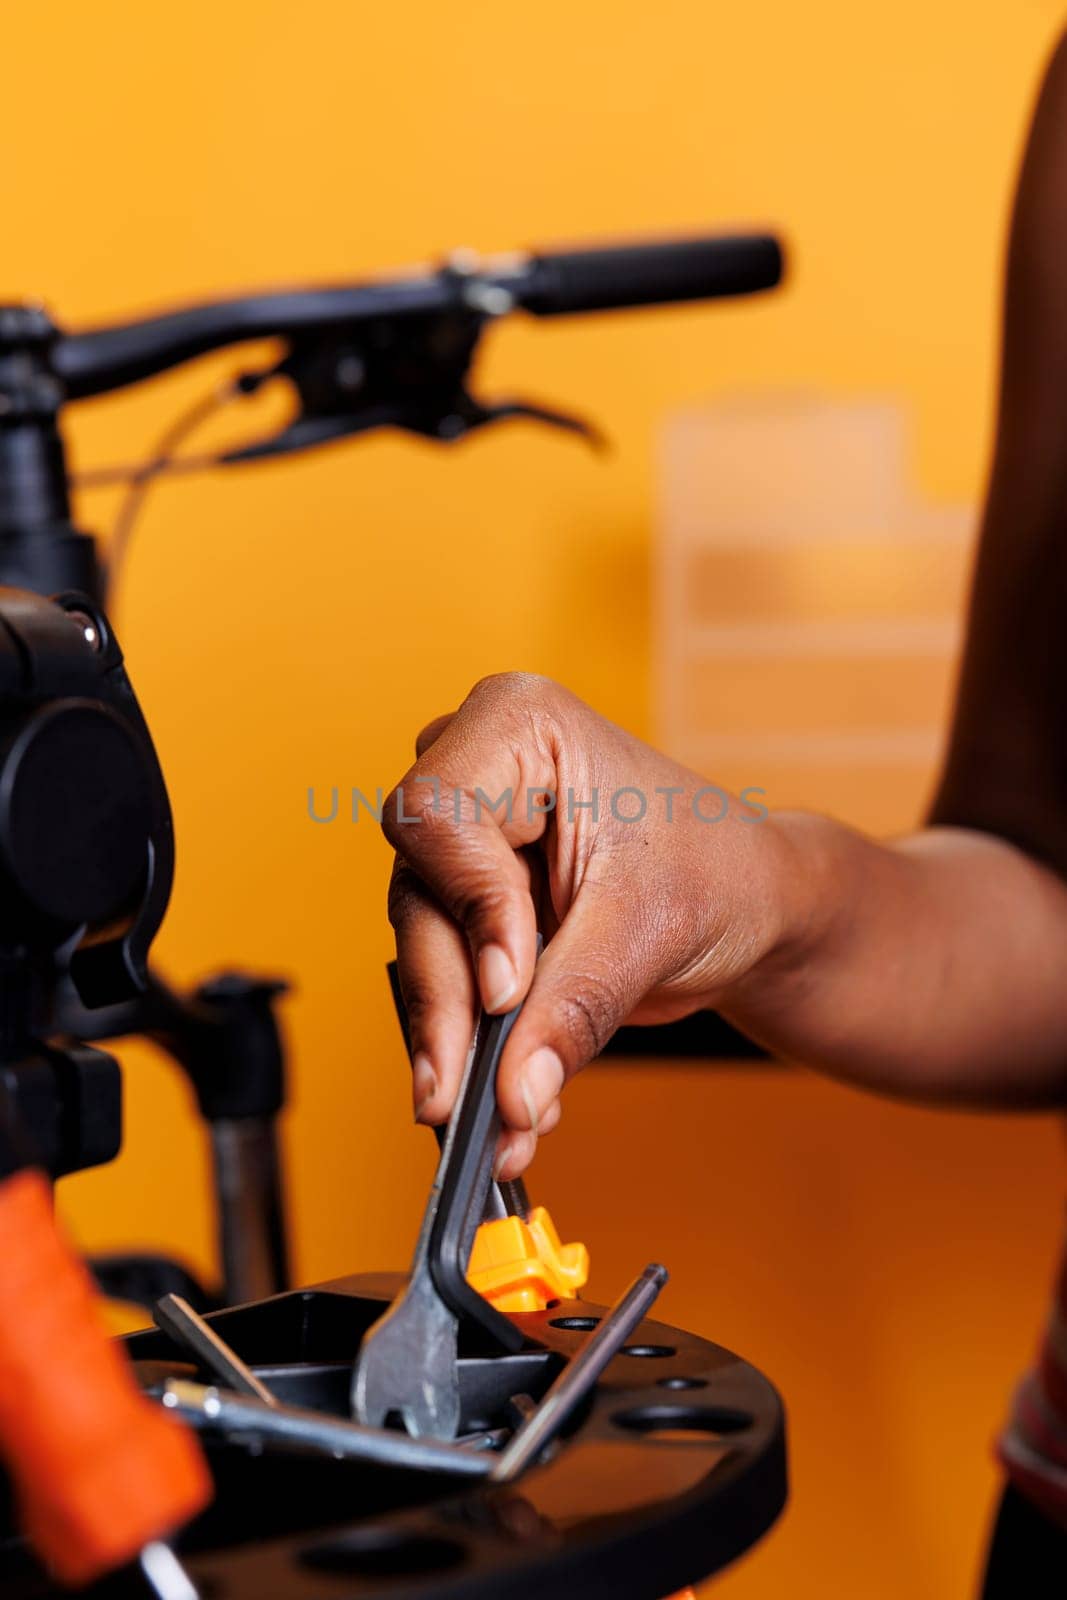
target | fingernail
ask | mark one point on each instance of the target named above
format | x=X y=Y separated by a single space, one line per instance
x=540 y=1082
x=423 y=1083
x=501 y=1161
x=497 y=977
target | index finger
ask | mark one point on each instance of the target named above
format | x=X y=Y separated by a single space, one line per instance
x=459 y=815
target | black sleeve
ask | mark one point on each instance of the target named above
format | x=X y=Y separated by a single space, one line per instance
x=1006 y=770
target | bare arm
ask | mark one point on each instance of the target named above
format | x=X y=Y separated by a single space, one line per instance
x=945 y=970
x=934 y=967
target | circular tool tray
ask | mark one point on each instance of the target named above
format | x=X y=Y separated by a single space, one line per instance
x=674 y=1468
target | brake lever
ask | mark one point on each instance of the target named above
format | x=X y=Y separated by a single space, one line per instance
x=413 y=377
x=503 y=410
x=310 y=432
x=306 y=433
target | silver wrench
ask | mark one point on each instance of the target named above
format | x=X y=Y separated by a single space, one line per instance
x=407 y=1363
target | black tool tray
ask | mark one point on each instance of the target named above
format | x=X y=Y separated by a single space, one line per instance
x=673 y=1468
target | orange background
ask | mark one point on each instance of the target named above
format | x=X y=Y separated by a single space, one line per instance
x=294 y=625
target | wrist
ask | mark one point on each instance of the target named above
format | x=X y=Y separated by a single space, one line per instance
x=797 y=893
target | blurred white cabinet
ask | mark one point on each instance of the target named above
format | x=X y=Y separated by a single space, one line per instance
x=808 y=606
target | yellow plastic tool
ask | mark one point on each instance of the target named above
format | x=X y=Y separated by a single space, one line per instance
x=521 y=1265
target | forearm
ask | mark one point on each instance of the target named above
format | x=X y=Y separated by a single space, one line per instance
x=933 y=968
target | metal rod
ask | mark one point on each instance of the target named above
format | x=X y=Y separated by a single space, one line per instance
x=578 y=1376
x=292 y=1428
x=516 y=1200
x=251 y=1225
x=177 y=1317
x=164 y=1573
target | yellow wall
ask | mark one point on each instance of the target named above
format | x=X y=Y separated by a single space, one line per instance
x=295 y=624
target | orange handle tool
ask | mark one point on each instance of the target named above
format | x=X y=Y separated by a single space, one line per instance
x=98 y=1471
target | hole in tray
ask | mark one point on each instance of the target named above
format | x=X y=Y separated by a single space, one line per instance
x=578 y=1324
x=384 y=1552
x=656 y=1351
x=681 y=1383
x=667 y=1421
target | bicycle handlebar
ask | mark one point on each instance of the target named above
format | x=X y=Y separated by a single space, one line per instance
x=544 y=284
x=609 y=278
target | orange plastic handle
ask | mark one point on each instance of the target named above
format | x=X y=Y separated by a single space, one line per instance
x=98 y=1470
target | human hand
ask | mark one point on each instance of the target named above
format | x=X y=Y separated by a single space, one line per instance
x=527 y=811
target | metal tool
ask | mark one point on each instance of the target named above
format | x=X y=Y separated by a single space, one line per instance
x=507 y=1197
x=293 y=1428
x=514 y=1197
x=578 y=1376
x=484 y=1439
x=407 y=1362
x=164 y=1573
x=176 y=1316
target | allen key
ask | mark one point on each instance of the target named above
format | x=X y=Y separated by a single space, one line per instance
x=578 y=1377
x=279 y=1427
x=176 y=1316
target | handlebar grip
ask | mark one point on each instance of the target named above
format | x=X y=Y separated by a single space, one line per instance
x=609 y=278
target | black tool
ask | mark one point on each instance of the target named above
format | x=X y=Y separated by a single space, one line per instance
x=507 y=1196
